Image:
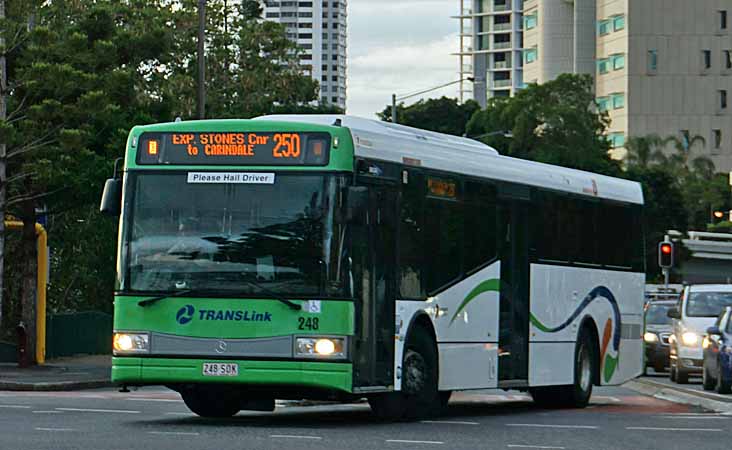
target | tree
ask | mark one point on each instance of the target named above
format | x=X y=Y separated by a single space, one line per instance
x=682 y=160
x=644 y=150
x=555 y=122
x=664 y=208
x=252 y=67
x=444 y=115
x=79 y=78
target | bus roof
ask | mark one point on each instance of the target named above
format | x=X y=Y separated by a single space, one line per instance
x=398 y=143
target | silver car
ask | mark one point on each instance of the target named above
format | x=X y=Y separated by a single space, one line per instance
x=697 y=310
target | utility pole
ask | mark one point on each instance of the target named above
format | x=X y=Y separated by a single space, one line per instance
x=393 y=109
x=201 y=98
x=3 y=116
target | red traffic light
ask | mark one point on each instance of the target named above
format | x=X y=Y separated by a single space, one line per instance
x=665 y=254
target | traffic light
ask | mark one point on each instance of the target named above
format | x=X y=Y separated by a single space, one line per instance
x=666 y=254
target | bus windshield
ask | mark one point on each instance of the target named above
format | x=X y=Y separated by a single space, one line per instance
x=282 y=238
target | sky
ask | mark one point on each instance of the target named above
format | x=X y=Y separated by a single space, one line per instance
x=400 y=46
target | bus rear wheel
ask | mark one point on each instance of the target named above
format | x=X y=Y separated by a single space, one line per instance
x=419 y=396
x=211 y=402
x=577 y=394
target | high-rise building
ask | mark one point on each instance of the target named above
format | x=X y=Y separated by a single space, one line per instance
x=491 y=45
x=319 y=29
x=660 y=66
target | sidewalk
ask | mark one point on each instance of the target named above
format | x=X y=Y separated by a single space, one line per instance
x=678 y=394
x=62 y=374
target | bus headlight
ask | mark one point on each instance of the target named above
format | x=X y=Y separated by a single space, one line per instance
x=320 y=347
x=689 y=339
x=650 y=337
x=129 y=343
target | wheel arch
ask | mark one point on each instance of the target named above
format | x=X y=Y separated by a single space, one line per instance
x=421 y=322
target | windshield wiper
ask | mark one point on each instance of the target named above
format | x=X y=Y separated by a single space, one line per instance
x=150 y=301
x=292 y=305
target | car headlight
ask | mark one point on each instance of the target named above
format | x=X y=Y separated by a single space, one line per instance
x=650 y=337
x=705 y=342
x=689 y=339
x=130 y=343
x=320 y=347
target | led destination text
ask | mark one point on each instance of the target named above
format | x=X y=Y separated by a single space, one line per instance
x=222 y=148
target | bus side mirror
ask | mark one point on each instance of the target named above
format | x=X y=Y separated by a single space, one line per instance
x=357 y=198
x=714 y=331
x=111 y=197
x=673 y=313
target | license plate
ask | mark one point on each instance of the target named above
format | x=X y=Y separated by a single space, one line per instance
x=220 y=370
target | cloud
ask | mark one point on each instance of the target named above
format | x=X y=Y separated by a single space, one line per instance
x=400 y=46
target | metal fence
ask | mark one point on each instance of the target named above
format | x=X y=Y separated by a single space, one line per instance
x=79 y=333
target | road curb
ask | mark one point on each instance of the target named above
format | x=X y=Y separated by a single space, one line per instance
x=55 y=386
x=680 y=395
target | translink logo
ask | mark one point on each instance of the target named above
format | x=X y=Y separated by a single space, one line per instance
x=187 y=313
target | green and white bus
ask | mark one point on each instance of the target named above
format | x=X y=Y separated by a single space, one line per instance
x=334 y=258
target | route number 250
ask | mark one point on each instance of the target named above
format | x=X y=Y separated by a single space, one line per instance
x=287 y=145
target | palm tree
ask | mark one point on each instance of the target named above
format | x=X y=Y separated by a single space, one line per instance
x=644 y=150
x=682 y=156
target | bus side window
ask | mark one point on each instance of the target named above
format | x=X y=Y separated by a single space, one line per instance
x=481 y=238
x=411 y=237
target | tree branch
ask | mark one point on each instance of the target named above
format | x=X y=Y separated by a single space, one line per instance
x=30 y=198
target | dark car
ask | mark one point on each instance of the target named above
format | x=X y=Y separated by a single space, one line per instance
x=658 y=330
x=717 y=370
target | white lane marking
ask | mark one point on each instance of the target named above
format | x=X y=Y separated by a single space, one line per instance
x=54 y=429
x=691 y=414
x=672 y=429
x=179 y=433
x=15 y=406
x=402 y=441
x=696 y=417
x=153 y=400
x=119 y=411
x=607 y=398
x=541 y=425
x=47 y=412
x=450 y=422
x=292 y=436
x=533 y=446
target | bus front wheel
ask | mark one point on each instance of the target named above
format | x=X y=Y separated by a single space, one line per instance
x=419 y=396
x=211 y=402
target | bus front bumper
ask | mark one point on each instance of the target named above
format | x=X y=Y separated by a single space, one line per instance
x=168 y=371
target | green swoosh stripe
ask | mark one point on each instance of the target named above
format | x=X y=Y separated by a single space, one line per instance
x=610 y=365
x=535 y=322
x=492 y=285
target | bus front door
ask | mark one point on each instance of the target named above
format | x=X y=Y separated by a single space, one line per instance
x=374 y=244
x=513 y=361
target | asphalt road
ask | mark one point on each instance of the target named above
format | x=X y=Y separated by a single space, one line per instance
x=156 y=419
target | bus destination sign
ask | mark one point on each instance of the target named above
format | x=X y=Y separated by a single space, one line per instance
x=234 y=148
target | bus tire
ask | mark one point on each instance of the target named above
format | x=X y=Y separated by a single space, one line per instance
x=545 y=397
x=577 y=394
x=444 y=399
x=216 y=403
x=723 y=386
x=419 y=376
x=682 y=376
x=419 y=396
x=708 y=381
